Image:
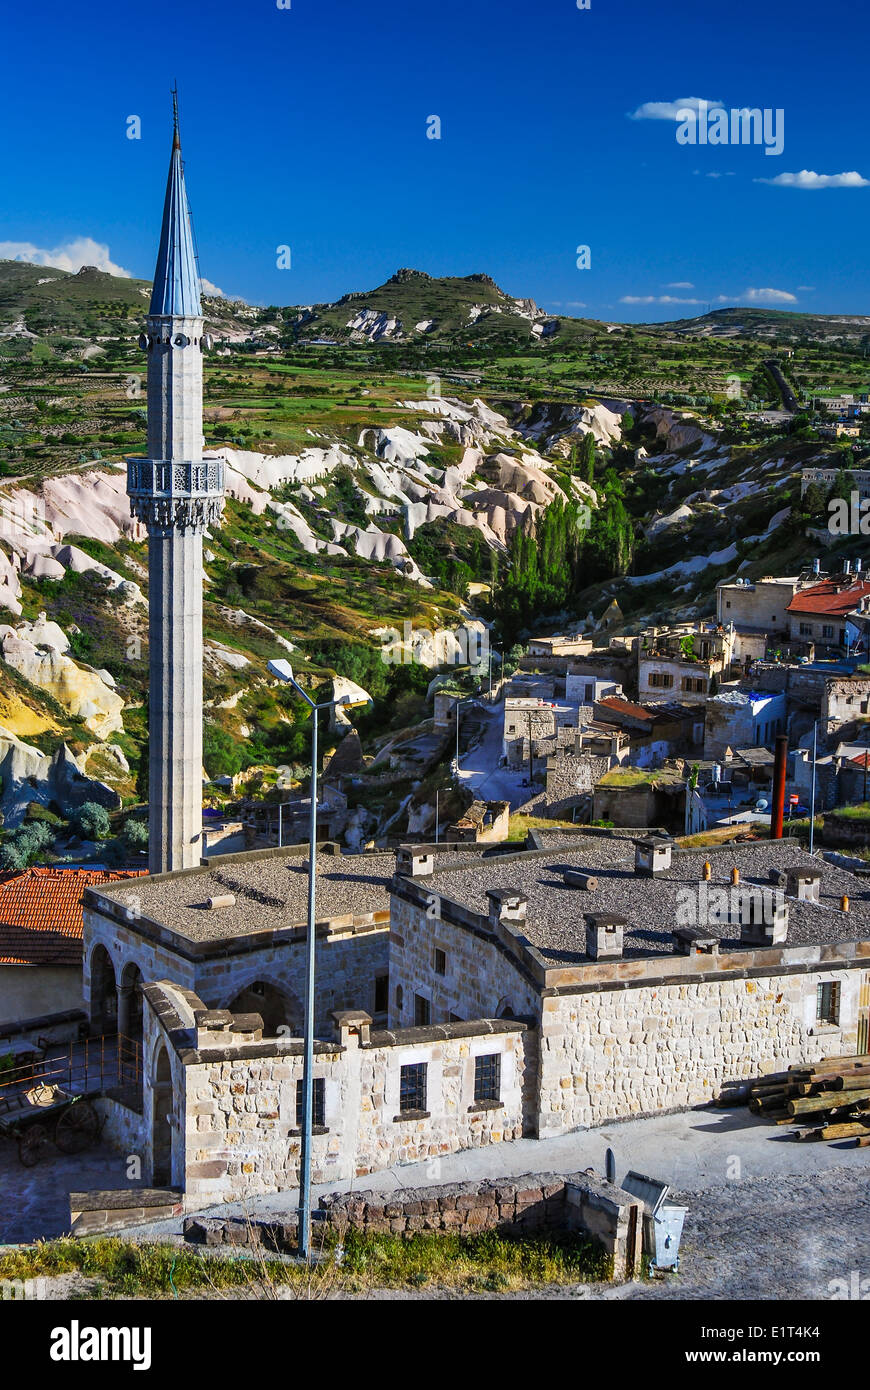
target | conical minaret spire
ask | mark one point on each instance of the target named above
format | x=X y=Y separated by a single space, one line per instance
x=176 y=279
x=177 y=492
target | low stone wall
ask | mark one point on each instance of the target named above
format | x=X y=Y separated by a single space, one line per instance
x=534 y=1203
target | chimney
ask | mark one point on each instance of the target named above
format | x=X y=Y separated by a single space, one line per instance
x=415 y=861
x=816 y=566
x=651 y=857
x=507 y=907
x=694 y=941
x=779 y=772
x=858 y=564
x=604 y=934
x=761 y=915
x=804 y=884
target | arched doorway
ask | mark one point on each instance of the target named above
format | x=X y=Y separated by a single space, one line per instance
x=276 y=1007
x=104 y=992
x=130 y=1024
x=161 y=1130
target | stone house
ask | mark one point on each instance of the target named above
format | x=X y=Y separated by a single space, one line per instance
x=819 y=614
x=759 y=606
x=742 y=719
x=844 y=699
x=525 y=994
x=682 y=663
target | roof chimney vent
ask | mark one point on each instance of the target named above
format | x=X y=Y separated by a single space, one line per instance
x=651 y=857
x=507 y=907
x=415 y=861
x=604 y=935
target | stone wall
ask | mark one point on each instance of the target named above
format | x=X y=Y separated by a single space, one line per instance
x=614 y=1053
x=533 y=1204
x=233 y=1115
x=352 y=953
x=480 y=981
x=28 y=990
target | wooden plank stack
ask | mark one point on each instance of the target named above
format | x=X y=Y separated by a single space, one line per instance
x=827 y=1100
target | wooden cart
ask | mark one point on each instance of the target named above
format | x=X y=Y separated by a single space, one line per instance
x=44 y=1116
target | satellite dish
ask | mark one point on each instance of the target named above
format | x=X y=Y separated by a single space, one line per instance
x=207 y=343
x=181 y=340
x=143 y=341
x=610 y=1166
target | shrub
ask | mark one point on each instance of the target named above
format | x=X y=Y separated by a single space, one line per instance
x=135 y=834
x=91 y=821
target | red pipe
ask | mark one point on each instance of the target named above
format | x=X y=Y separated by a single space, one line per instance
x=779 y=770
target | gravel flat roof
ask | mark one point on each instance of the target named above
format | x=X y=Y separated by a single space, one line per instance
x=271 y=893
x=556 y=922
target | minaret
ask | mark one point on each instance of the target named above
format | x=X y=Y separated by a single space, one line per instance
x=177 y=492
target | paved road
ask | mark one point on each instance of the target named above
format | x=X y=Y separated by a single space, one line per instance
x=479 y=769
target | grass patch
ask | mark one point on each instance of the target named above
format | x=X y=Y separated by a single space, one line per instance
x=859 y=812
x=484 y=1262
x=521 y=825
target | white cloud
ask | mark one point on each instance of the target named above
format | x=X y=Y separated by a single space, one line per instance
x=210 y=289
x=669 y=110
x=768 y=296
x=807 y=289
x=680 y=285
x=656 y=299
x=808 y=178
x=71 y=255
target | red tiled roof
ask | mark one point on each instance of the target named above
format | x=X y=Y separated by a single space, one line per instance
x=41 y=913
x=627 y=707
x=831 y=597
x=862 y=760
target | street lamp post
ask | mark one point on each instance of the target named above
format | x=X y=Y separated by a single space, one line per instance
x=286 y=673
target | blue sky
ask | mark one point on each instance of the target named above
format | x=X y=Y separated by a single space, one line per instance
x=306 y=127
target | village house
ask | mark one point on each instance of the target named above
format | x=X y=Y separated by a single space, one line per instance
x=521 y=994
x=819 y=614
x=41 y=939
x=685 y=663
x=759 y=606
x=742 y=719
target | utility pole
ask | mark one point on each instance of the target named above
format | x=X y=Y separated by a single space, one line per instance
x=308 y=1044
x=437 y=819
x=813 y=788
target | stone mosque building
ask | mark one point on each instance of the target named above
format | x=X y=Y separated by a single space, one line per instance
x=463 y=996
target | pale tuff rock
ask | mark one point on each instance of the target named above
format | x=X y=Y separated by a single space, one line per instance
x=42 y=633
x=27 y=775
x=664 y=523
x=368 y=323
x=81 y=692
x=216 y=656
x=353 y=695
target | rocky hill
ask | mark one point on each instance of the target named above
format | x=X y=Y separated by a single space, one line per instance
x=366 y=497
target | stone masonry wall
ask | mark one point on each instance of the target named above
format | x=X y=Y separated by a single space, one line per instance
x=241 y=1136
x=616 y=1053
x=535 y=1203
x=350 y=957
x=481 y=981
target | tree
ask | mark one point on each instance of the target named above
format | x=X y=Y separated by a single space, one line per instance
x=135 y=834
x=91 y=821
x=587 y=458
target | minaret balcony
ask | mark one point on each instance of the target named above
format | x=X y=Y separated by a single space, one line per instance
x=171 y=495
x=171 y=479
